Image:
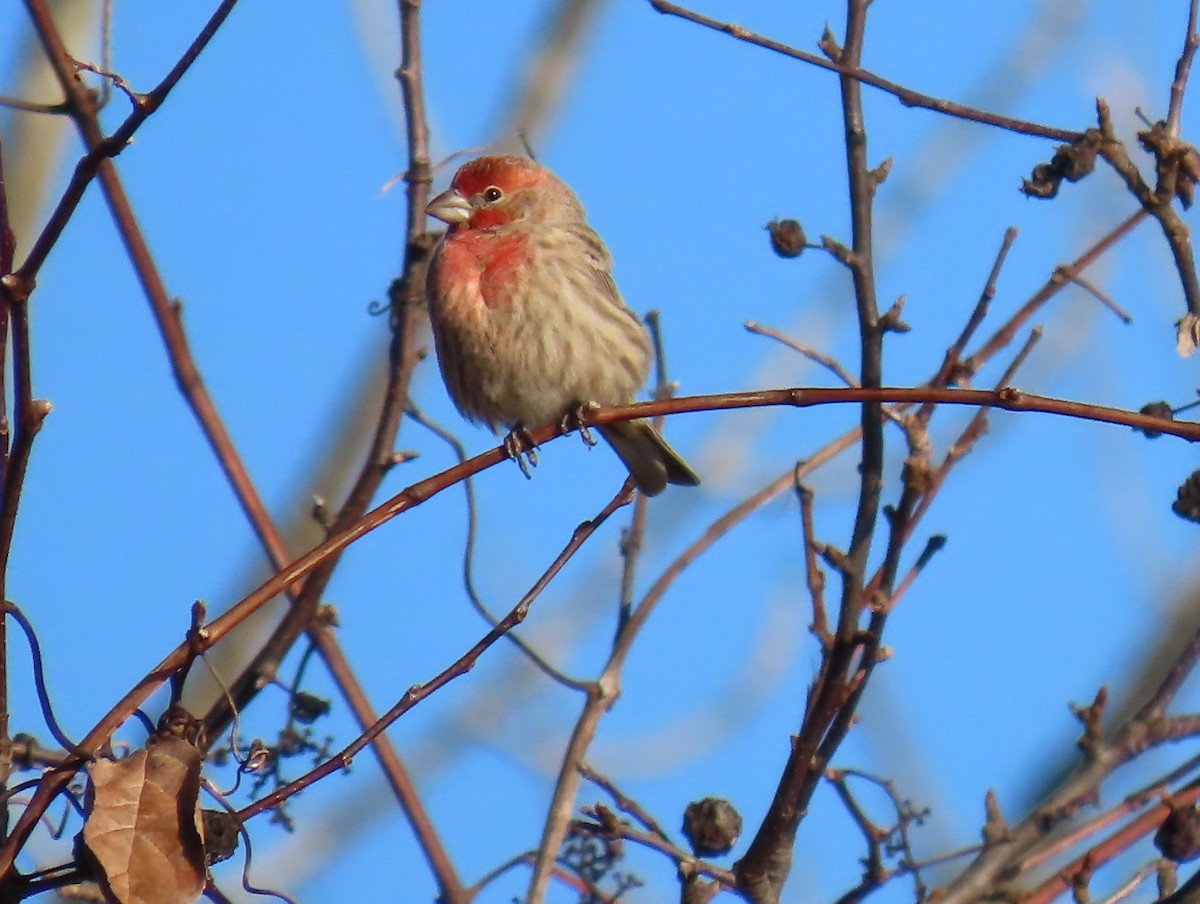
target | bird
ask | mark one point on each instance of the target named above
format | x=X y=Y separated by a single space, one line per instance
x=529 y=326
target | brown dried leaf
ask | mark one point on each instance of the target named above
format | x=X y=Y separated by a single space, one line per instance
x=143 y=830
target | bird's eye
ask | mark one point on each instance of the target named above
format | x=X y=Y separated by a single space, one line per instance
x=491 y=194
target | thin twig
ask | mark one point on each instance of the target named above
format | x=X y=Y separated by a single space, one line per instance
x=967 y=439
x=1051 y=288
x=82 y=109
x=1133 y=801
x=765 y=867
x=626 y=804
x=459 y=667
x=1132 y=883
x=1158 y=201
x=1183 y=69
x=830 y=364
x=1115 y=844
x=656 y=842
x=814 y=577
x=952 y=361
x=39 y=676
x=473 y=596
x=906 y=96
x=29 y=106
x=634 y=536
x=167 y=314
x=1101 y=296
x=406 y=297
x=422 y=491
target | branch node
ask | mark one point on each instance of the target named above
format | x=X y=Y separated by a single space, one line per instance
x=833 y=557
x=17 y=288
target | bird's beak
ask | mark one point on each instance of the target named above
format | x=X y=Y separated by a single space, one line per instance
x=450 y=207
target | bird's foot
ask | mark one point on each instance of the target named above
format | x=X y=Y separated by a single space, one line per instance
x=573 y=420
x=521 y=448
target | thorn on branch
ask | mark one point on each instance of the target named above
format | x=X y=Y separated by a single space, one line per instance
x=814 y=576
x=1092 y=718
x=933 y=546
x=196 y=634
x=320 y=512
x=403 y=456
x=995 y=829
x=829 y=45
x=891 y=322
x=879 y=175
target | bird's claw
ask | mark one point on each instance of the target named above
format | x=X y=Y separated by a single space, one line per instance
x=573 y=420
x=520 y=447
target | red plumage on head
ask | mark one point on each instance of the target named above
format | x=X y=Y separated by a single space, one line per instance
x=507 y=173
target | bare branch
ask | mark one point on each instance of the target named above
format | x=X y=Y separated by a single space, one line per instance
x=906 y=96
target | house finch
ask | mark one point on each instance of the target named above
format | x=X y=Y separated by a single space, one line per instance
x=529 y=326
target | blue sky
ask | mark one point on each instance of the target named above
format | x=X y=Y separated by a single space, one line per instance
x=259 y=187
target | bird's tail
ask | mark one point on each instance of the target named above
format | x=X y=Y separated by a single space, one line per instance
x=650 y=459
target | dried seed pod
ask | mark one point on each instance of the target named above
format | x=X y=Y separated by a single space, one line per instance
x=1187 y=500
x=1179 y=835
x=787 y=238
x=711 y=826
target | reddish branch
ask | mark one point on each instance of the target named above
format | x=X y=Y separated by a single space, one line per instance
x=1111 y=847
x=422 y=491
x=83 y=109
x=459 y=667
x=1144 y=729
x=837 y=690
x=403 y=355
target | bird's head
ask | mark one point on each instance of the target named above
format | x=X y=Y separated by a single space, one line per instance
x=500 y=191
